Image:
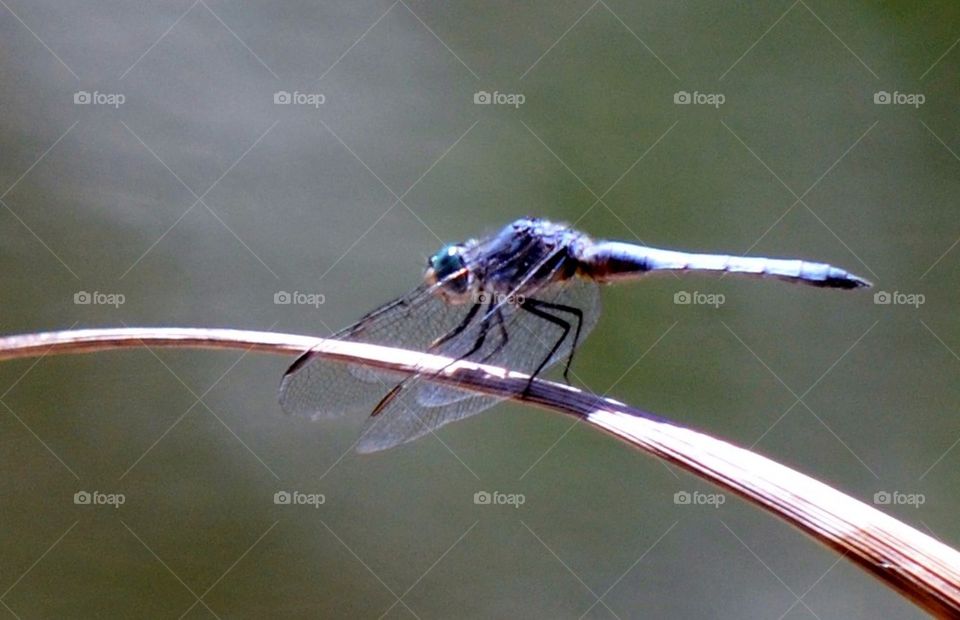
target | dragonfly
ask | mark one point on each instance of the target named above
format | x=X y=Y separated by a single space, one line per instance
x=523 y=298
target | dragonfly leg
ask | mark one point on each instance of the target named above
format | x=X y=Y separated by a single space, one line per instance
x=456 y=331
x=484 y=327
x=504 y=338
x=481 y=337
x=459 y=329
x=538 y=308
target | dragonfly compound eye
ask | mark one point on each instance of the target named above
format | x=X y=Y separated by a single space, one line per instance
x=448 y=269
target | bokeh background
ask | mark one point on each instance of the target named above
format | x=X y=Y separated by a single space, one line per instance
x=184 y=188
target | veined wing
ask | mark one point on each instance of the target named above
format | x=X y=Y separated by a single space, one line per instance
x=417 y=407
x=316 y=388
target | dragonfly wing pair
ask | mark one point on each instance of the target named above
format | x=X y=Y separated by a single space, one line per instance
x=514 y=333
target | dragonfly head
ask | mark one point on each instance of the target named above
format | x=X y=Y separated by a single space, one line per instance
x=447 y=269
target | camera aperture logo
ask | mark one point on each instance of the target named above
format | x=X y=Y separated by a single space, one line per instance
x=96 y=498
x=296 y=498
x=896 y=298
x=682 y=97
x=696 y=298
x=85 y=97
x=298 y=298
x=496 y=498
x=882 y=97
x=686 y=498
x=483 y=97
x=897 y=498
x=97 y=298
x=285 y=97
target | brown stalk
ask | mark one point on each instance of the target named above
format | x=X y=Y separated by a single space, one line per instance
x=921 y=568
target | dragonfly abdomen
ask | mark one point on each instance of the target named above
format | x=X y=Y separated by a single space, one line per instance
x=608 y=261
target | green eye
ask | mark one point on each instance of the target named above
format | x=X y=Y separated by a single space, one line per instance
x=446 y=262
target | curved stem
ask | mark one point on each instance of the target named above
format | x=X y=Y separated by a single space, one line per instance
x=921 y=568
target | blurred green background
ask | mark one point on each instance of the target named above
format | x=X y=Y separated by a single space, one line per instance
x=798 y=160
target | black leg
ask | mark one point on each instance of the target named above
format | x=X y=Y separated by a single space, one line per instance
x=456 y=331
x=504 y=338
x=467 y=319
x=537 y=307
x=481 y=337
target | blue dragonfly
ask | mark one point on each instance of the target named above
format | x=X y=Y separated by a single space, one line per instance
x=523 y=299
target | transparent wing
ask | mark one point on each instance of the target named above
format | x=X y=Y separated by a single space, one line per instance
x=318 y=388
x=514 y=337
